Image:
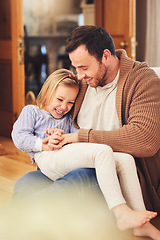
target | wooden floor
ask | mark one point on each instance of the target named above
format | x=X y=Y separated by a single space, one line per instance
x=13 y=165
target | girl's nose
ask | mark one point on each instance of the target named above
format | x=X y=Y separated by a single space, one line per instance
x=64 y=106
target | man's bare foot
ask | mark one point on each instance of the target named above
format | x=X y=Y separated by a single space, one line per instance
x=127 y=218
x=147 y=230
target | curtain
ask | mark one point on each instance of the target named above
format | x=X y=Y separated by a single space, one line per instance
x=152 y=53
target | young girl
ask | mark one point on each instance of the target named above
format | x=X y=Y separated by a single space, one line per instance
x=52 y=112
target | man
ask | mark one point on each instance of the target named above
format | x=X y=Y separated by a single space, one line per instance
x=118 y=105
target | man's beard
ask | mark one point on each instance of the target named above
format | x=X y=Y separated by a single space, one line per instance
x=101 y=75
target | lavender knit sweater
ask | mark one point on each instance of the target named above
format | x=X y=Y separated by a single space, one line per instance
x=32 y=125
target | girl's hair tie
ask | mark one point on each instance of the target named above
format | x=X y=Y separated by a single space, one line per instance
x=74 y=77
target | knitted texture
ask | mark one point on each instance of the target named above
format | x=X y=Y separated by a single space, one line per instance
x=138 y=109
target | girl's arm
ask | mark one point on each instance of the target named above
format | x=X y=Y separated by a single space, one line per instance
x=23 y=130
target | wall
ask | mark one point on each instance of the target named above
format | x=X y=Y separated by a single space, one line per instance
x=141 y=9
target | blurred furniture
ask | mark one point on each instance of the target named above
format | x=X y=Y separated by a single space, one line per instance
x=89 y=13
x=36 y=66
x=2 y=150
x=63 y=61
x=30 y=98
x=157 y=70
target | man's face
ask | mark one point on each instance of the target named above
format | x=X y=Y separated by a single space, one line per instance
x=88 y=67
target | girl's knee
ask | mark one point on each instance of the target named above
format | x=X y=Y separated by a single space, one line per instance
x=105 y=148
x=127 y=157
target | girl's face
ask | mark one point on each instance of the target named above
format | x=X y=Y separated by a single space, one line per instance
x=62 y=101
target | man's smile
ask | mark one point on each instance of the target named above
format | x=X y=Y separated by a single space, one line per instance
x=88 y=80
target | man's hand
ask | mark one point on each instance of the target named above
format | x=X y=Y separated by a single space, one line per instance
x=69 y=138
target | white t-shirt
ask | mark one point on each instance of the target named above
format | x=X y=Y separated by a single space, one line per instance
x=98 y=110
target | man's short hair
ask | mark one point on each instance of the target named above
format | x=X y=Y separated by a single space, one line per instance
x=95 y=39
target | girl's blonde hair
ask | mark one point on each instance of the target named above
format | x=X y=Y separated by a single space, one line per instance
x=61 y=77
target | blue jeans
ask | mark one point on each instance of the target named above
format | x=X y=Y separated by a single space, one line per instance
x=36 y=182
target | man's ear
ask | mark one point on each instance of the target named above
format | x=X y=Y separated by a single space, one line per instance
x=106 y=54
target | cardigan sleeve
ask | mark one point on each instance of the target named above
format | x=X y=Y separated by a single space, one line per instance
x=140 y=131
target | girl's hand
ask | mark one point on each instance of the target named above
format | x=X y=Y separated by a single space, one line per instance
x=48 y=147
x=56 y=138
x=69 y=138
x=51 y=142
x=50 y=131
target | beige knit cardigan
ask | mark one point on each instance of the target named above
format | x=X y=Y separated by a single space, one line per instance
x=138 y=109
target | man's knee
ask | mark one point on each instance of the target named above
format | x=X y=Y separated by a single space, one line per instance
x=32 y=180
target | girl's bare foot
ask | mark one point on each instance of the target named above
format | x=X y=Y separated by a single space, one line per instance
x=127 y=218
x=147 y=230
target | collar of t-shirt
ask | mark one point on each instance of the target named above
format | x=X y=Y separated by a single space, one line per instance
x=110 y=86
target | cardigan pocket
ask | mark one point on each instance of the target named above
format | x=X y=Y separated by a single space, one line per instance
x=156 y=199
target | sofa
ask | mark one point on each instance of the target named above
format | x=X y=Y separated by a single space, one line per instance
x=157 y=70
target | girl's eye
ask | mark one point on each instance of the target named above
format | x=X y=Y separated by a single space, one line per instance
x=59 y=99
x=71 y=103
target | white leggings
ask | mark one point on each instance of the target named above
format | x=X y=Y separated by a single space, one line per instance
x=108 y=164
